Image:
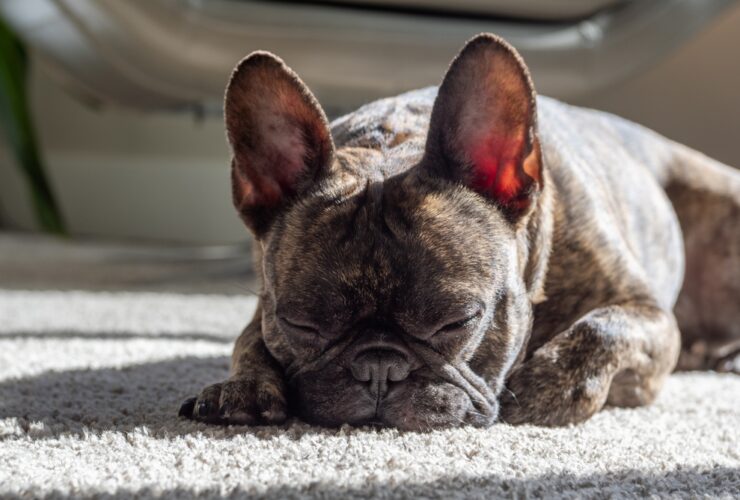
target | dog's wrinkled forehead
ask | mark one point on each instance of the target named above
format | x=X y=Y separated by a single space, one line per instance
x=394 y=246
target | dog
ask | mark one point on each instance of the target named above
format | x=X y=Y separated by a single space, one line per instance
x=468 y=254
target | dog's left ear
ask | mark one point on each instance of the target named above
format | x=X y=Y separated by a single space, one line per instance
x=483 y=126
x=279 y=136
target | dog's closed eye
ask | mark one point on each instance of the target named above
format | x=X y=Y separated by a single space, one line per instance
x=299 y=326
x=462 y=323
x=465 y=322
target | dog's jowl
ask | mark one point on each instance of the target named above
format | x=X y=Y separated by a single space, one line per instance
x=468 y=254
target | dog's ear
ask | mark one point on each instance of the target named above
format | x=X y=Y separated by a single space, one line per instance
x=279 y=137
x=483 y=126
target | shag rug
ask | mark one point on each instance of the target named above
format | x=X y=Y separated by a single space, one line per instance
x=90 y=385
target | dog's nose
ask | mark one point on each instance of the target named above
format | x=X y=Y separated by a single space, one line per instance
x=378 y=367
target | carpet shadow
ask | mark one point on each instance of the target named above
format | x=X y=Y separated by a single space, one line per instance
x=683 y=482
x=74 y=402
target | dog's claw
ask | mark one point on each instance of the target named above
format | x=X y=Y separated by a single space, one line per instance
x=186 y=409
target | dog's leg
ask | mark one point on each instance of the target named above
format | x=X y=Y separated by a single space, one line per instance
x=618 y=355
x=253 y=394
x=706 y=197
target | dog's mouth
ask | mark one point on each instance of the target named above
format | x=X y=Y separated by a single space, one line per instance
x=407 y=385
x=422 y=401
x=415 y=406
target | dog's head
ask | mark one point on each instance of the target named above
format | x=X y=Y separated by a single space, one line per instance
x=395 y=288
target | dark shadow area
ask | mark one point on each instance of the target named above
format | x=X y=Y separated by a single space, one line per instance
x=122 y=335
x=72 y=402
x=711 y=482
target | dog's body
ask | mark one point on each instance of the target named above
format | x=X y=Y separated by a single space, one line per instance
x=457 y=256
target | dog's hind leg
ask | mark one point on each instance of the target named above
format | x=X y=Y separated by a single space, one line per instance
x=706 y=197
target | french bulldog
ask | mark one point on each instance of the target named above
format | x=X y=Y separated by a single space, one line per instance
x=468 y=254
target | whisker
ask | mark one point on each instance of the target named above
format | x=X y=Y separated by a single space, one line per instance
x=242 y=287
x=512 y=395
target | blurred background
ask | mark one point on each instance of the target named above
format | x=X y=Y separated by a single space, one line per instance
x=113 y=159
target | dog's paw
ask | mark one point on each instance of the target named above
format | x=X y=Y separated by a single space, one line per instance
x=546 y=391
x=240 y=400
x=721 y=356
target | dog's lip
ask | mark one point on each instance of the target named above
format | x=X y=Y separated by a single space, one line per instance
x=374 y=422
x=382 y=344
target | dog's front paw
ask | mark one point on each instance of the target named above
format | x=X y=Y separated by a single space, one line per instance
x=549 y=391
x=240 y=400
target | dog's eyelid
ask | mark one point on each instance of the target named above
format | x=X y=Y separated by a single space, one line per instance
x=467 y=318
x=298 y=324
x=462 y=323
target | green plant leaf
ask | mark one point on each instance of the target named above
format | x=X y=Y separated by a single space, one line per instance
x=15 y=121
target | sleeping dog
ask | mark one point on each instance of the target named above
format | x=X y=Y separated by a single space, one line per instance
x=469 y=253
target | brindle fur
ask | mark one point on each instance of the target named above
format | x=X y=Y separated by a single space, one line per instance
x=379 y=242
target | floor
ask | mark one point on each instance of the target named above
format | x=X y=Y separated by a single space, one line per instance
x=37 y=262
x=99 y=344
x=90 y=385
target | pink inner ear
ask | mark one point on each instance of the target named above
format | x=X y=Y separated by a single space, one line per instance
x=266 y=184
x=496 y=163
x=284 y=126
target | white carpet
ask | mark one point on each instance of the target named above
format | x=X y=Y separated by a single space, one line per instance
x=90 y=385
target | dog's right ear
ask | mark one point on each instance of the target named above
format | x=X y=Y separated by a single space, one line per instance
x=483 y=129
x=279 y=137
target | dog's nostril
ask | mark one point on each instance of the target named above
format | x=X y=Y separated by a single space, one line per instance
x=398 y=371
x=379 y=366
x=361 y=371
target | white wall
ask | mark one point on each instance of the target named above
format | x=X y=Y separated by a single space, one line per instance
x=693 y=96
x=129 y=175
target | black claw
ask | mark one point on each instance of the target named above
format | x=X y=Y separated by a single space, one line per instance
x=204 y=409
x=186 y=409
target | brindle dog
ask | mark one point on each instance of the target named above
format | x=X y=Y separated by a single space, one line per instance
x=468 y=254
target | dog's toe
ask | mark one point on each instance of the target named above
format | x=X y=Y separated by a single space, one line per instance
x=238 y=401
x=187 y=407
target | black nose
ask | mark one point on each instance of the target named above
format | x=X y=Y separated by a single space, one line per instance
x=378 y=366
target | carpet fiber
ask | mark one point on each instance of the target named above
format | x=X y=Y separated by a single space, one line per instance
x=90 y=385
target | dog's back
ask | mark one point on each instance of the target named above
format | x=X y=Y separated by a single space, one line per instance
x=705 y=196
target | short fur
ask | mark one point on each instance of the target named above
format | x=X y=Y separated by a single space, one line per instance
x=468 y=254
